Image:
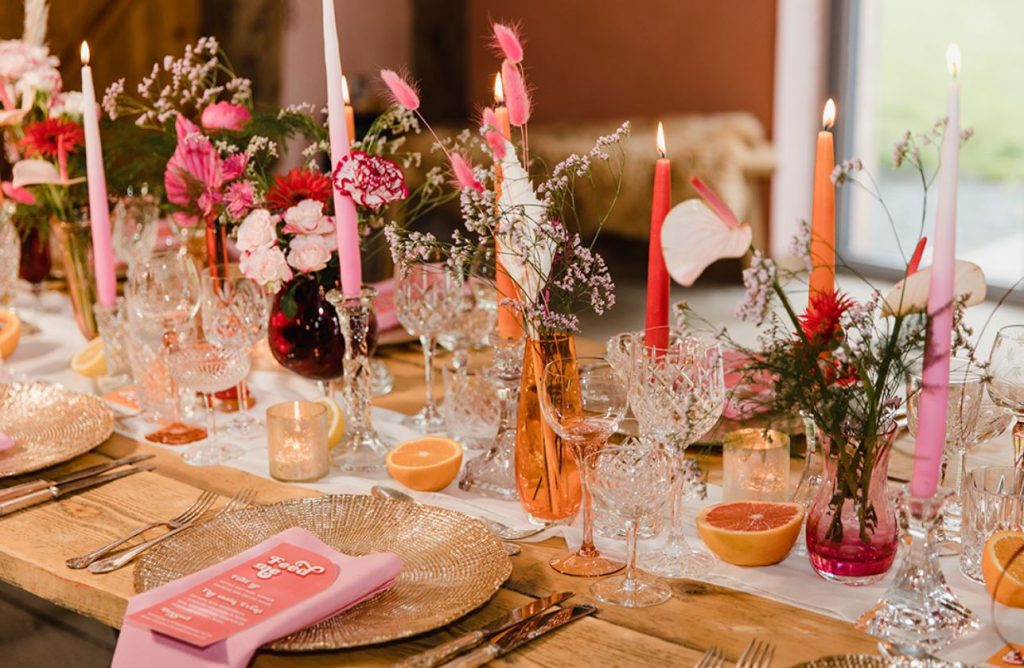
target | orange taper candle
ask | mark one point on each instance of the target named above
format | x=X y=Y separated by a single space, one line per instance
x=823 y=217
x=509 y=325
x=655 y=331
x=350 y=114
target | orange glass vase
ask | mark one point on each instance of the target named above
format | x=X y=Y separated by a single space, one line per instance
x=546 y=473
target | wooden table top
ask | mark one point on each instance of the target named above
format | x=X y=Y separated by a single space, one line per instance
x=34 y=544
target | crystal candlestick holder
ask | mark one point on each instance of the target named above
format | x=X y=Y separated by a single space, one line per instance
x=361 y=450
x=111 y=325
x=919 y=615
x=493 y=473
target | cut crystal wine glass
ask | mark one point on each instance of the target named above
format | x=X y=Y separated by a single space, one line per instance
x=678 y=394
x=582 y=400
x=1006 y=384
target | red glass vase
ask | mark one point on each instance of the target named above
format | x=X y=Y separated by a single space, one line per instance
x=35 y=257
x=852 y=534
x=304 y=332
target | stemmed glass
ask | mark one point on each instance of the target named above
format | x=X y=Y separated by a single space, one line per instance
x=1006 y=385
x=205 y=367
x=582 y=400
x=235 y=313
x=677 y=394
x=632 y=484
x=966 y=390
x=165 y=288
x=135 y=226
x=427 y=296
x=10 y=251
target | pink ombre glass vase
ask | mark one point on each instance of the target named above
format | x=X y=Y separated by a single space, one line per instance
x=843 y=547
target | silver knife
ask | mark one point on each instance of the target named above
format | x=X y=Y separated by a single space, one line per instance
x=57 y=491
x=518 y=636
x=35 y=485
x=440 y=654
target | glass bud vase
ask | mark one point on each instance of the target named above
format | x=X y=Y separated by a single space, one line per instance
x=546 y=473
x=361 y=450
x=852 y=538
x=74 y=238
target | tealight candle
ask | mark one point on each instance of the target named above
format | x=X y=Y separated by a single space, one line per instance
x=755 y=465
x=297 y=441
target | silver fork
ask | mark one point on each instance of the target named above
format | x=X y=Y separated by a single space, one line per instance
x=200 y=506
x=758 y=654
x=713 y=658
x=241 y=499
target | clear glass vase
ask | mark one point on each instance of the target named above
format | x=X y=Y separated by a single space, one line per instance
x=74 y=238
x=852 y=533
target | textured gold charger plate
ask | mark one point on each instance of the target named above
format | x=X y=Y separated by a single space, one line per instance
x=49 y=425
x=452 y=563
x=874 y=661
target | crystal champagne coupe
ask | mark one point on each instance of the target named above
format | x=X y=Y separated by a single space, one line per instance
x=1006 y=384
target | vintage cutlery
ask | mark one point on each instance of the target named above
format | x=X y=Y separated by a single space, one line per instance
x=200 y=506
x=36 y=485
x=241 y=499
x=519 y=635
x=56 y=491
x=440 y=654
x=713 y=658
x=381 y=492
x=758 y=654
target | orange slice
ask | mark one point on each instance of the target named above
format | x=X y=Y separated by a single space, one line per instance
x=10 y=332
x=427 y=464
x=998 y=560
x=751 y=533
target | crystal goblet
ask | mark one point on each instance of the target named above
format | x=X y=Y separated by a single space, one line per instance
x=1006 y=385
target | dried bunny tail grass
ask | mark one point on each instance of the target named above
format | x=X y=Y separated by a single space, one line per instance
x=403 y=92
x=517 y=99
x=463 y=173
x=508 y=42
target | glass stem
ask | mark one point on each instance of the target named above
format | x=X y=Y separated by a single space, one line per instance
x=169 y=340
x=632 y=535
x=243 y=397
x=676 y=538
x=587 y=548
x=960 y=472
x=428 y=343
x=1018 y=444
x=212 y=417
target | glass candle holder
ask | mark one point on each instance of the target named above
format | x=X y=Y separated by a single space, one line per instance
x=297 y=441
x=755 y=465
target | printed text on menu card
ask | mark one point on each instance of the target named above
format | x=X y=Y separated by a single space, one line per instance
x=241 y=597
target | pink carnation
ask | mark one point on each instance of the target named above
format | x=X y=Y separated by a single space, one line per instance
x=225 y=116
x=239 y=198
x=370 y=180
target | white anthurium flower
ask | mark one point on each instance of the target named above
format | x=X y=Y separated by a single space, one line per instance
x=693 y=236
x=34 y=172
x=11 y=116
x=526 y=252
x=911 y=294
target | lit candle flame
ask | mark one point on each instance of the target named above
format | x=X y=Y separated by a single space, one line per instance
x=828 y=117
x=661 y=140
x=953 y=59
x=344 y=89
x=85 y=53
x=499 y=92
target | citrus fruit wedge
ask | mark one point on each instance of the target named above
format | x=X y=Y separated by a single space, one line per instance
x=427 y=464
x=89 y=361
x=335 y=420
x=998 y=560
x=751 y=533
x=10 y=332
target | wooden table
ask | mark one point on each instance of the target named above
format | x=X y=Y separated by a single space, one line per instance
x=34 y=544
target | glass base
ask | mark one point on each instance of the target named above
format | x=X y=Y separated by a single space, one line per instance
x=361 y=452
x=675 y=563
x=211 y=454
x=425 y=425
x=177 y=433
x=491 y=474
x=642 y=592
x=382 y=382
x=575 y=563
x=848 y=580
x=244 y=423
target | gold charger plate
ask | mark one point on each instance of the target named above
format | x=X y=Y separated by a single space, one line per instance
x=452 y=564
x=49 y=425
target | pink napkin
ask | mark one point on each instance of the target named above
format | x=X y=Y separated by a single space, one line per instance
x=358 y=579
x=387 y=317
x=5 y=441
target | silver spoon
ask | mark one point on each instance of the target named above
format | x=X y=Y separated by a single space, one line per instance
x=390 y=493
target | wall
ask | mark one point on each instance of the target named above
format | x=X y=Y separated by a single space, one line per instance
x=599 y=59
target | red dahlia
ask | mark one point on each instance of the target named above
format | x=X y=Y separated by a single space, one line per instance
x=45 y=139
x=820 y=322
x=299 y=184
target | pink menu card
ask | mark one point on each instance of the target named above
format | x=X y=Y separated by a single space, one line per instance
x=221 y=615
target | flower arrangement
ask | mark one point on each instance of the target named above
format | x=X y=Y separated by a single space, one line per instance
x=557 y=274
x=841 y=362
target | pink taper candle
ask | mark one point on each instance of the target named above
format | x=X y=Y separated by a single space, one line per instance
x=934 y=401
x=346 y=222
x=99 y=212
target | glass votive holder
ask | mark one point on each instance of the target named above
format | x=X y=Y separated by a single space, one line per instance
x=297 y=441
x=755 y=465
x=994 y=501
